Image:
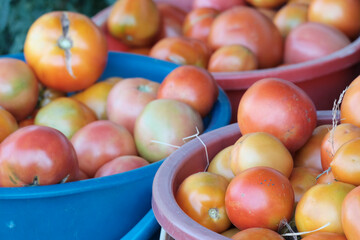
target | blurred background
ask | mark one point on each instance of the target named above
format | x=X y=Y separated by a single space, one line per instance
x=16 y=16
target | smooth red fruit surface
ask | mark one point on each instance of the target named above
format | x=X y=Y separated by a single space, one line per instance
x=37 y=155
x=278 y=107
x=257 y=234
x=259 y=197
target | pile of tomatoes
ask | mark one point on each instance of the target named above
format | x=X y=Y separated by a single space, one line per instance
x=230 y=36
x=60 y=124
x=286 y=176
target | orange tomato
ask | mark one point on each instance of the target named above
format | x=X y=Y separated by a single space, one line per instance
x=343 y=15
x=257 y=234
x=325 y=236
x=202 y=197
x=220 y=164
x=266 y=3
x=326 y=177
x=350 y=107
x=350 y=214
x=8 y=124
x=66 y=50
x=301 y=180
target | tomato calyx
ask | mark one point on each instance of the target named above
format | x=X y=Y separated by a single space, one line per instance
x=65 y=42
x=214 y=213
x=35 y=182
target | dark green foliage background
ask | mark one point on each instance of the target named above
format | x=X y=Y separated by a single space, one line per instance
x=16 y=16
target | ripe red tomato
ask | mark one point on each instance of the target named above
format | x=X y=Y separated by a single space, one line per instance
x=36 y=155
x=66 y=50
x=19 y=89
x=192 y=85
x=248 y=27
x=100 y=142
x=201 y=196
x=278 y=107
x=257 y=234
x=343 y=15
x=259 y=197
x=350 y=214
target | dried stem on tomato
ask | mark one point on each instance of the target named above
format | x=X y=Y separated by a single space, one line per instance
x=65 y=42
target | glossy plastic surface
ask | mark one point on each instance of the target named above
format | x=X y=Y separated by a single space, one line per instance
x=99 y=208
x=189 y=159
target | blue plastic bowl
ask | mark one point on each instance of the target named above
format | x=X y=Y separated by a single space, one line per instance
x=112 y=207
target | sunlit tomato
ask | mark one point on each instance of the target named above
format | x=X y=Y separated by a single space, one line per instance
x=127 y=99
x=326 y=177
x=201 y=196
x=302 y=43
x=343 y=15
x=219 y=5
x=232 y=58
x=259 y=197
x=350 y=214
x=198 y=22
x=302 y=179
x=172 y=19
x=192 y=85
x=266 y=3
x=36 y=155
x=334 y=139
x=257 y=234
x=278 y=107
x=121 y=164
x=248 y=27
x=325 y=236
x=182 y=51
x=162 y=125
x=100 y=142
x=95 y=96
x=220 y=164
x=66 y=50
x=321 y=205
x=309 y=155
x=134 y=22
x=290 y=16
x=346 y=162
x=260 y=149
x=19 y=89
x=8 y=124
x=66 y=115
x=349 y=110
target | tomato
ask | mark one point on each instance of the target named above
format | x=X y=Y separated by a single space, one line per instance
x=127 y=99
x=201 y=196
x=198 y=22
x=350 y=213
x=192 y=85
x=302 y=43
x=219 y=5
x=8 y=124
x=36 y=155
x=346 y=162
x=343 y=15
x=320 y=205
x=100 y=142
x=95 y=97
x=220 y=163
x=309 y=155
x=230 y=232
x=248 y=27
x=66 y=50
x=182 y=51
x=49 y=94
x=143 y=25
x=232 y=58
x=326 y=177
x=278 y=107
x=19 y=90
x=325 y=236
x=290 y=16
x=65 y=114
x=259 y=197
x=260 y=149
x=121 y=164
x=334 y=139
x=257 y=234
x=302 y=179
x=266 y=3
x=162 y=125
x=172 y=19
x=349 y=109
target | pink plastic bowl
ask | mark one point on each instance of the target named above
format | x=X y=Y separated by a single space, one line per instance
x=187 y=160
x=322 y=79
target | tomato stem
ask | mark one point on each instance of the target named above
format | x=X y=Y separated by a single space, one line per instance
x=65 y=42
x=214 y=213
